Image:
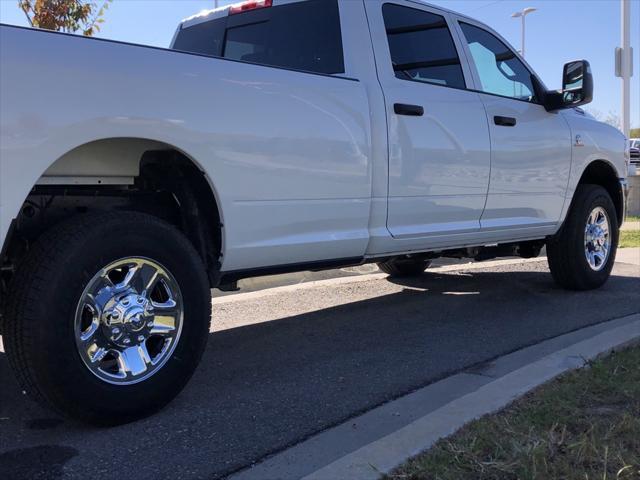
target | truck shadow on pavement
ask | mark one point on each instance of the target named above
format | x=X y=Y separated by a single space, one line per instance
x=265 y=386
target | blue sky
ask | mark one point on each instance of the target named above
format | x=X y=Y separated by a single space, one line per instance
x=561 y=30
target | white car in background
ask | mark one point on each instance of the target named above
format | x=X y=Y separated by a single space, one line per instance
x=634 y=153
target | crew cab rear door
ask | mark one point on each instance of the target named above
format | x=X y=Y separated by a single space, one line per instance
x=285 y=132
x=439 y=148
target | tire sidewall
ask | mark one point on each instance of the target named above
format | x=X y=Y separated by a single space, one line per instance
x=595 y=197
x=61 y=368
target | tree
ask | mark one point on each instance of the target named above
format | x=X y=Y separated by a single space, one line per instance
x=635 y=133
x=65 y=15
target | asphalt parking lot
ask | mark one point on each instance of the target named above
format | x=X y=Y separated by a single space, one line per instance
x=284 y=365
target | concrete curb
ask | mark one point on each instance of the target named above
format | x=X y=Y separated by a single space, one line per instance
x=379 y=440
x=392 y=450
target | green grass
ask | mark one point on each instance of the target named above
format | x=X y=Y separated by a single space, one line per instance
x=584 y=425
x=632 y=218
x=629 y=238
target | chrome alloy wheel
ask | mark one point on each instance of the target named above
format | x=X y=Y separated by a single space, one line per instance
x=128 y=320
x=597 y=242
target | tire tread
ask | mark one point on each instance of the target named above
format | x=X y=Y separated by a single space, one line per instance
x=400 y=267
x=30 y=282
x=565 y=261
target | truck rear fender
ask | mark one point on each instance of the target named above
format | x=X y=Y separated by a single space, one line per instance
x=147 y=165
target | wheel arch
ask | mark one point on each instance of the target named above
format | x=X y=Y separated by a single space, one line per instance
x=117 y=157
x=140 y=163
x=603 y=173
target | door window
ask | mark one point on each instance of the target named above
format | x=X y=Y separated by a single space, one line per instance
x=500 y=70
x=421 y=47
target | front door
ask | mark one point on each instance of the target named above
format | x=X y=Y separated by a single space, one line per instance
x=439 y=148
x=530 y=147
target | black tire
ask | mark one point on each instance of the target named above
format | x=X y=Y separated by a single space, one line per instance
x=40 y=315
x=404 y=266
x=566 y=250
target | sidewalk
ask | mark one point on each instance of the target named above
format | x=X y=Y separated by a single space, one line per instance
x=628 y=255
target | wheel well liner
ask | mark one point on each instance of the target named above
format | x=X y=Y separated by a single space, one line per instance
x=600 y=172
x=171 y=171
x=167 y=184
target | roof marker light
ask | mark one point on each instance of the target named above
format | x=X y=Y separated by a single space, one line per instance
x=249 y=5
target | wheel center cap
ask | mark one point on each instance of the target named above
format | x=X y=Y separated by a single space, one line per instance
x=133 y=318
x=596 y=236
x=125 y=318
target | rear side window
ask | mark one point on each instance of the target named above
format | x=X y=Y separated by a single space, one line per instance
x=421 y=46
x=203 y=38
x=300 y=36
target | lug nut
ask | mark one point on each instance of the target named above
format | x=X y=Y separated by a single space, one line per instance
x=126 y=341
x=140 y=338
x=116 y=331
x=140 y=299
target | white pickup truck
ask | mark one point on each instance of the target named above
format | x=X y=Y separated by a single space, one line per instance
x=272 y=136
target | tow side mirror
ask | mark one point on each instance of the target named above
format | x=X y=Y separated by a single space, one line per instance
x=577 y=83
x=577 y=87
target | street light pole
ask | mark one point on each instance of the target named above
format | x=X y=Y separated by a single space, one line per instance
x=522 y=15
x=625 y=61
x=522 y=37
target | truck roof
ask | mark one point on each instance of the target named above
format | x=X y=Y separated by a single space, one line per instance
x=204 y=15
x=210 y=14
